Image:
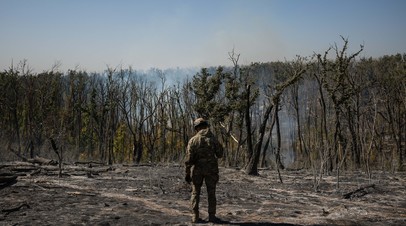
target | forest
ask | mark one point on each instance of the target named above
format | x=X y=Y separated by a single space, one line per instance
x=330 y=112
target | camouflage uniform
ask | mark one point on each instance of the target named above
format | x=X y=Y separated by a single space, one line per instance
x=202 y=153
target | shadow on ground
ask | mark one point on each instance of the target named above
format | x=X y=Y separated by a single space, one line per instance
x=224 y=222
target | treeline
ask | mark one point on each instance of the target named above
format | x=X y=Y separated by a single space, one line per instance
x=348 y=113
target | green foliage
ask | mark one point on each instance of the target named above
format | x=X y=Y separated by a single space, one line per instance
x=101 y=116
x=121 y=143
x=236 y=88
x=206 y=88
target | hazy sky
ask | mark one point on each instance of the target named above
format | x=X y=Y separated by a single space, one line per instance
x=94 y=34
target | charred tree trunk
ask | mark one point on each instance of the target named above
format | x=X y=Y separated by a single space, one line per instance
x=265 y=149
x=58 y=151
x=138 y=147
x=252 y=168
x=250 y=149
x=305 y=156
x=279 y=164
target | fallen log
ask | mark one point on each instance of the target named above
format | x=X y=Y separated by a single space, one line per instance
x=359 y=192
x=88 y=163
x=23 y=169
x=35 y=160
x=36 y=172
x=7 y=179
x=42 y=161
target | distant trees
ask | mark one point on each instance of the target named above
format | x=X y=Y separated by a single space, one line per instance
x=387 y=78
x=344 y=113
x=342 y=118
x=232 y=99
x=10 y=103
x=291 y=75
x=340 y=83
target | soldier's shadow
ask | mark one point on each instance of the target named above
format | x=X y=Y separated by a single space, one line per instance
x=224 y=222
x=260 y=224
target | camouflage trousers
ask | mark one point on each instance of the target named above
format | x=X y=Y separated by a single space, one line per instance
x=211 y=181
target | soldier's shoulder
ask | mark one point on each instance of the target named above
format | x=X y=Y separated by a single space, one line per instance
x=195 y=138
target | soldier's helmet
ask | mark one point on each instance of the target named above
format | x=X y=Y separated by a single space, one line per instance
x=200 y=122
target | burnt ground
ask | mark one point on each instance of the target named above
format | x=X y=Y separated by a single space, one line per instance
x=157 y=195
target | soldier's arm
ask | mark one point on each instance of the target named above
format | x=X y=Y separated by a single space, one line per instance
x=189 y=158
x=219 y=150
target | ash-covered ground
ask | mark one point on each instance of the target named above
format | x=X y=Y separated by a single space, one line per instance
x=157 y=195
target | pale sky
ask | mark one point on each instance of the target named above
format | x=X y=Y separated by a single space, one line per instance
x=94 y=34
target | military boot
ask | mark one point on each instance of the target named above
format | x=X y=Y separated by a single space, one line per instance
x=195 y=217
x=214 y=219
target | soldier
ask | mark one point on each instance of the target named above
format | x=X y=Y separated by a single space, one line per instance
x=202 y=153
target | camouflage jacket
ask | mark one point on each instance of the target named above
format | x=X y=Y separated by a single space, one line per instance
x=202 y=153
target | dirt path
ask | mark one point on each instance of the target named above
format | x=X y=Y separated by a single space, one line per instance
x=145 y=195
